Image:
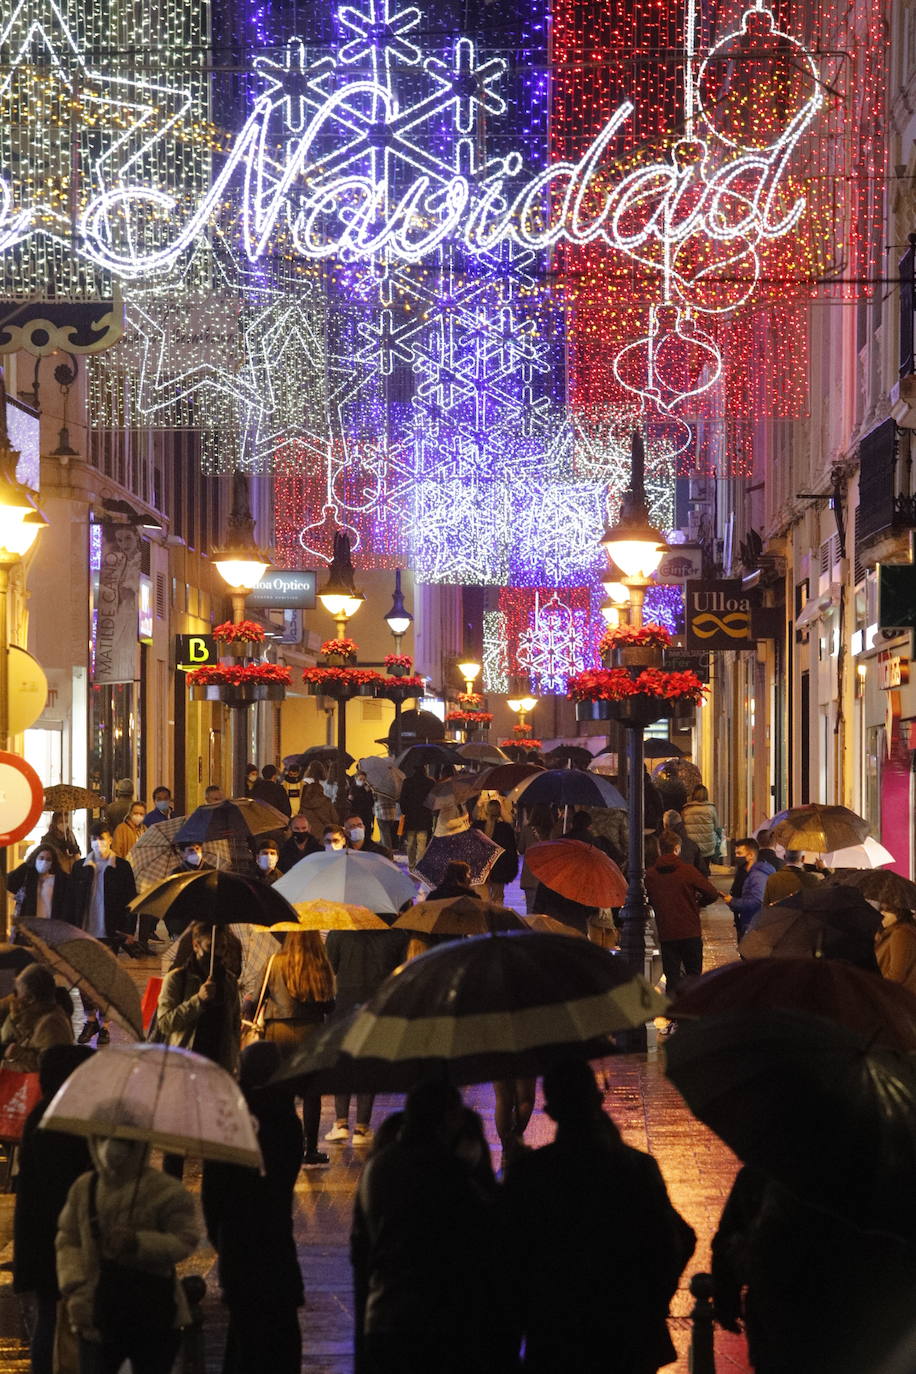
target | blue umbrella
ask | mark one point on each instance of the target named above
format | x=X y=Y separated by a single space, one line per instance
x=346 y=875
x=567 y=787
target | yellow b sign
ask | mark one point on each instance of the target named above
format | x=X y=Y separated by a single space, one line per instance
x=194 y=651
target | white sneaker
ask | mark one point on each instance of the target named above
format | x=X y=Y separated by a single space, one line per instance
x=363 y=1135
x=338 y=1132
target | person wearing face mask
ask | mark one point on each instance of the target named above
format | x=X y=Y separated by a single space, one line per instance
x=125 y=1221
x=191 y=860
x=251 y=777
x=31 y=1020
x=129 y=831
x=301 y=843
x=101 y=885
x=335 y=837
x=361 y=800
x=355 y=831
x=61 y=839
x=268 y=859
x=40 y=885
x=199 y=1010
x=162 y=807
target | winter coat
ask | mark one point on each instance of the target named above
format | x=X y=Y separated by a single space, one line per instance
x=290 y=853
x=506 y=866
x=361 y=804
x=274 y=793
x=125 y=837
x=24 y=880
x=586 y=1205
x=154 y=1205
x=29 y=1031
x=528 y=836
x=50 y=1162
x=677 y=891
x=414 y=791
x=574 y=914
x=701 y=823
x=67 y=850
x=362 y=960
x=786 y=880
x=690 y=852
x=314 y=805
x=611 y=823
x=120 y=888
x=895 y=949
x=180 y=1009
x=654 y=807
x=746 y=907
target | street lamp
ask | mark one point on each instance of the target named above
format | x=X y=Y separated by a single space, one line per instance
x=614 y=609
x=470 y=670
x=398 y=621
x=522 y=706
x=637 y=548
x=341 y=600
x=241 y=565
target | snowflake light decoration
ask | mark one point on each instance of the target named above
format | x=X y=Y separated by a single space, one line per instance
x=554 y=647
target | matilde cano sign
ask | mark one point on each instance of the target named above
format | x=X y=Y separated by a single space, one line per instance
x=335 y=164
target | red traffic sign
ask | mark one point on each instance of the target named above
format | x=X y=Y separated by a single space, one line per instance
x=21 y=798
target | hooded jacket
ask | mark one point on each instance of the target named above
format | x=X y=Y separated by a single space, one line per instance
x=701 y=822
x=677 y=891
x=746 y=907
x=153 y=1205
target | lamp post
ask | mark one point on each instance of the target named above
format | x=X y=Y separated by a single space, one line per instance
x=341 y=600
x=522 y=706
x=470 y=670
x=20 y=523
x=241 y=565
x=637 y=548
x=398 y=621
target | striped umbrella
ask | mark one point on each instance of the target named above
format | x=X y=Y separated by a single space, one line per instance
x=476 y=1010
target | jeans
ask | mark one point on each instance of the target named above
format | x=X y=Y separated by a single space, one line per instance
x=681 y=958
x=364 y=1103
x=149 y=1353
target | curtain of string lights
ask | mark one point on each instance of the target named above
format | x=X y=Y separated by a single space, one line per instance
x=430 y=267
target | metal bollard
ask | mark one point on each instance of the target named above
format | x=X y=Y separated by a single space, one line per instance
x=702 y=1357
x=191 y=1359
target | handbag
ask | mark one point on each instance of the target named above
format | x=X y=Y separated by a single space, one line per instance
x=19 y=1093
x=128 y=1300
x=255 y=1029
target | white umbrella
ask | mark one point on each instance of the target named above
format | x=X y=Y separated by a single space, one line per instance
x=606 y=764
x=169 y=1097
x=347 y=875
x=869 y=854
x=383 y=775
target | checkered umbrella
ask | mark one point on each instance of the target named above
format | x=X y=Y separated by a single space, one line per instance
x=154 y=856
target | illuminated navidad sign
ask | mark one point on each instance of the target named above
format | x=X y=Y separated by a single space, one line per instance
x=314 y=164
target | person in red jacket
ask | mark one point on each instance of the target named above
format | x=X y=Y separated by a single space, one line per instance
x=677 y=891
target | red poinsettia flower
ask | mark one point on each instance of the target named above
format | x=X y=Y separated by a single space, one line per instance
x=470 y=717
x=398 y=661
x=628 y=636
x=519 y=744
x=345 y=647
x=230 y=633
x=614 y=684
x=232 y=676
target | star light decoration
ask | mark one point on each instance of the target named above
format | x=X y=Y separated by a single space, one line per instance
x=554 y=646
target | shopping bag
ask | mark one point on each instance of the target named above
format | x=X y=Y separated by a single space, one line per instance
x=150 y=1001
x=19 y=1093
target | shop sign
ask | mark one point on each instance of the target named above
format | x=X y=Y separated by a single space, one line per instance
x=893 y=670
x=195 y=651
x=284 y=589
x=682 y=563
x=718 y=615
x=688 y=661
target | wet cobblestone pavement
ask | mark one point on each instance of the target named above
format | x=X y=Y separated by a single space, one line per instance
x=697 y=1168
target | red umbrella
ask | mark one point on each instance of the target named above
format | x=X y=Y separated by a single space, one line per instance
x=580 y=872
x=882 y=1011
x=505 y=776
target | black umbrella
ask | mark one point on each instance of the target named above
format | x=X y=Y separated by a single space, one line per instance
x=890 y=890
x=661 y=749
x=435 y=755
x=567 y=787
x=576 y=755
x=416 y=727
x=217 y=896
x=812 y=1103
x=319 y=753
x=242 y=816
x=825 y=921
x=488 y=1007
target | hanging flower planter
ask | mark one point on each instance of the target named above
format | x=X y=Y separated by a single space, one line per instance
x=241 y=648
x=401 y=688
x=640 y=709
x=633 y=696
x=594 y=710
x=628 y=647
x=242 y=639
x=239 y=686
x=398 y=665
x=339 y=653
x=330 y=680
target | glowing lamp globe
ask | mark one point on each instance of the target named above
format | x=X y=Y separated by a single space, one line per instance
x=614 y=587
x=20 y=525
x=636 y=551
x=241 y=571
x=522 y=705
x=341 y=605
x=469 y=670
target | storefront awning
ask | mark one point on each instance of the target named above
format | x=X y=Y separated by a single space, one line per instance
x=819 y=606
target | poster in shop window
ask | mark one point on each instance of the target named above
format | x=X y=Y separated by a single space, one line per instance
x=117 y=604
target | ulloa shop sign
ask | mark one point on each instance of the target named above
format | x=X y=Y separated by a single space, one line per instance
x=719 y=616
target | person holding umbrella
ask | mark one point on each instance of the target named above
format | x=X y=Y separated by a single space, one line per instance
x=500 y=832
x=357 y=838
x=418 y=819
x=199 y=1005
x=123 y=1229
x=61 y=839
x=895 y=947
x=128 y=831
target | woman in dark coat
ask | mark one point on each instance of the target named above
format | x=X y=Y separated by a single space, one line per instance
x=49 y=1162
x=249 y=1221
x=40 y=885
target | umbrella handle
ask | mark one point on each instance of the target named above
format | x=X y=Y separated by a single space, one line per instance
x=212 y=949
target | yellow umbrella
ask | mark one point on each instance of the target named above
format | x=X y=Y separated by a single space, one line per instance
x=321 y=915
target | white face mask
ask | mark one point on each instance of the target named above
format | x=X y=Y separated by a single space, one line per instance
x=192 y=858
x=164 y=806
x=101 y=848
x=137 y=818
x=267 y=861
x=360 y=782
x=357 y=835
x=42 y=865
x=336 y=843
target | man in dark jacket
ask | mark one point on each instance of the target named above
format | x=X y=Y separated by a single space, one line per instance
x=269 y=789
x=588 y=1204
x=301 y=843
x=418 y=819
x=358 y=838
x=766 y=853
x=652 y=802
x=101 y=885
x=677 y=891
x=49 y=1162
